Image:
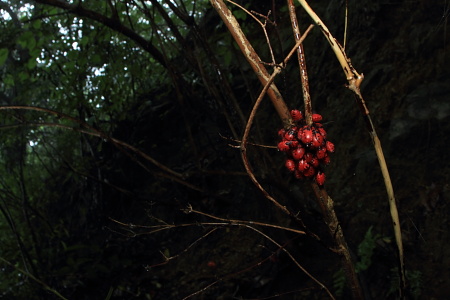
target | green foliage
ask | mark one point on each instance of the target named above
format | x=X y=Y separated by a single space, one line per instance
x=60 y=186
x=365 y=252
x=3 y=55
x=339 y=282
x=366 y=249
x=54 y=200
x=413 y=279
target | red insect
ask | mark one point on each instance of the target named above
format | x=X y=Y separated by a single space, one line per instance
x=283 y=146
x=316 y=117
x=290 y=165
x=321 y=152
x=317 y=140
x=303 y=165
x=298 y=153
x=306 y=135
x=326 y=160
x=308 y=157
x=296 y=115
x=293 y=144
x=290 y=134
x=298 y=174
x=309 y=172
x=322 y=132
x=330 y=146
x=281 y=132
x=314 y=162
x=211 y=264
x=320 y=178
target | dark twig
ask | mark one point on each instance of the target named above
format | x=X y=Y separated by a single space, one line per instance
x=324 y=201
x=354 y=82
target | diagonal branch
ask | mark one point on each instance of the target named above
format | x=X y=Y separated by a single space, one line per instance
x=112 y=23
x=253 y=59
x=354 y=82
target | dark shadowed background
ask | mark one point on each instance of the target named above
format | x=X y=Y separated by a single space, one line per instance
x=158 y=93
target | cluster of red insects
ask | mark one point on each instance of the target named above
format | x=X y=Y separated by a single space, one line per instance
x=306 y=147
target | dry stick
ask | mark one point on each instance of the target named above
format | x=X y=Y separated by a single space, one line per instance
x=282 y=248
x=191 y=210
x=250 y=122
x=255 y=62
x=168 y=173
x=354 y=80
x=253 y=59
x=92 y=131
x=26 y=273
x=302 y=64
x=244 y=151
x=294 y=260
x=325 y=202
x=263 y=25
x=269 y=87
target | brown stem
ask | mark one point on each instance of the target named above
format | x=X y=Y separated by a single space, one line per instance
x=302 y=64
x=253 y=59
x=243 y=145
x=167 y=172
x=335 y=230
x=354 y=81
x=325 y=202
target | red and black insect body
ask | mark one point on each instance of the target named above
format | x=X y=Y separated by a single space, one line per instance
x=307 y=148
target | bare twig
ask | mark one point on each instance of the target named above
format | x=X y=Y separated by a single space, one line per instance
x=31 y=276
x=250 y=122
x=294 y=260
x=253 y=59
x=263 y=25
x=87 y=129
x=191 y=210
x=324 y=201
x=302 y=64
x=247 y=224
x=354 y=81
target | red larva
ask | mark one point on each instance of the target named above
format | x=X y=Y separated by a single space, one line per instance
x=290 y=165
x=321 y=153
x=308 y=157
x=306 y=136
x=307 y=149
x=293 y=144
x=316 y=118
x=298 y=153
x=326 y=160
x=290 y=135
x=296 y=115
x=314 y=162
x=322 y=132
x=298 y=174
x=283 y=146
x=211 y=264
x=317 y=140
x=320 y=178
x=310 y=172
x=330 y=146
x=303 y=165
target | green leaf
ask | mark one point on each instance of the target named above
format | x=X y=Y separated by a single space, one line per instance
x=8 y=80
x=24 y=76
x=240 y=15
x=31 y=64
x=3 y=55
x=366 y=249
x=26 y=40
x=37 y=24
